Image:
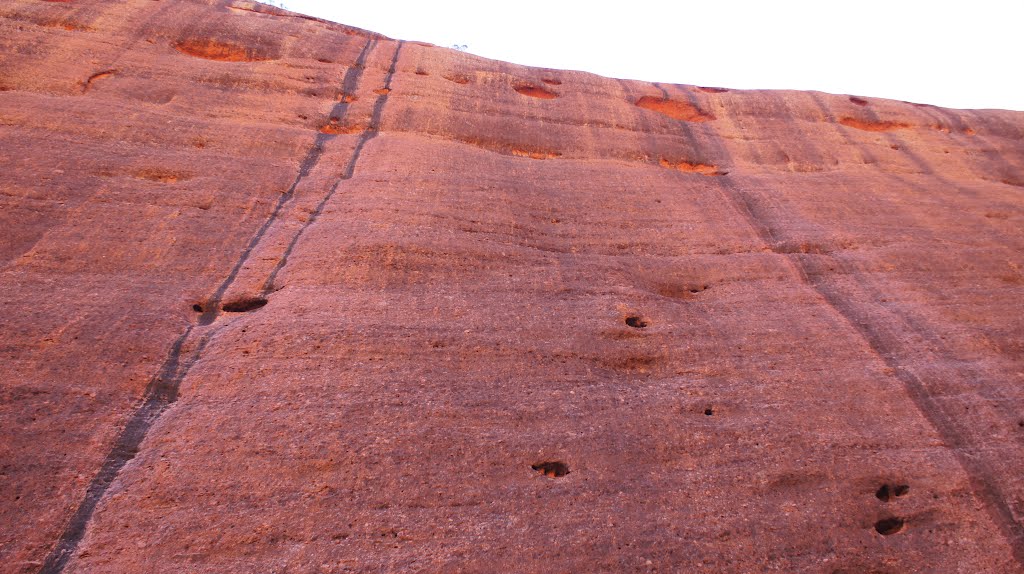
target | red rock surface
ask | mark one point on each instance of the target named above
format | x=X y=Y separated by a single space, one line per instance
x=280 y=295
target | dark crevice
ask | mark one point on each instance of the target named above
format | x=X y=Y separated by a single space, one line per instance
x=87 y=84
x=349 y=83
x=162 y=390
x=244 y=305
x=811 y=271
x=368 y=134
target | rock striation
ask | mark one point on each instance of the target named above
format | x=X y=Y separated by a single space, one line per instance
x=281 y=295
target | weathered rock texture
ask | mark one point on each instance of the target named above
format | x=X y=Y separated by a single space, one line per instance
x=280 y=295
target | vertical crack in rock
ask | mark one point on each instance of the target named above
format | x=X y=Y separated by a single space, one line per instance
x=162 y=390
x=885 y=346
x=349 y=84
x=850 y=227
x=368 y=134
x=998 y=400
x=979 y=473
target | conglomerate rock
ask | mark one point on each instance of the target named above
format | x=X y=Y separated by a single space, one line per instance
x=280 y=295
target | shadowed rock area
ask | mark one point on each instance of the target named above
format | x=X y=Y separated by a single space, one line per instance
x=281 y=295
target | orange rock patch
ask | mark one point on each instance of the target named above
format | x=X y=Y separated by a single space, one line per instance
x=675 y=109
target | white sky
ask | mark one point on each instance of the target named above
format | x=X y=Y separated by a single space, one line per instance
x=952 y=54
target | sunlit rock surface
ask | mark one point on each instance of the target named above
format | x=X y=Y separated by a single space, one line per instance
x=280 y=295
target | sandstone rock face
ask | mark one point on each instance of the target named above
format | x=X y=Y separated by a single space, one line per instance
x=285 y=296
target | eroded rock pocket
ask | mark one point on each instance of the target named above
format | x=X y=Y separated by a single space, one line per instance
x=887 y=492
x=636 y=322
x=873 y=125
x=87 y=84
x=457 y=78
x=221 y=50
x=684 y=111
x=889 y=526
x=535 y=91
x=244 y=305
x=680 y=290
x=553 y=468
x=693 y=167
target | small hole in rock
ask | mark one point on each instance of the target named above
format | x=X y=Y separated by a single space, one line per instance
x=554 y=469
x=858 y=101
x=883 y=493
x=197 y=308
x=636 y=322
x=244 y=305
x=709 y=411
x=889 y=526
x=887 y=492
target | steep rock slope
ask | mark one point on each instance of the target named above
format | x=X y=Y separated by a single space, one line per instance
x=281 y=295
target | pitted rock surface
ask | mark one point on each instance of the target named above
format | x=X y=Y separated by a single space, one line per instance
x=281 y=295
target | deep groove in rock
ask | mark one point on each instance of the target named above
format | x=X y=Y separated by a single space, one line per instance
x=368 y=134
x=162 y=389
x=244 y=305
x=980 y=475
x=87 y=84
